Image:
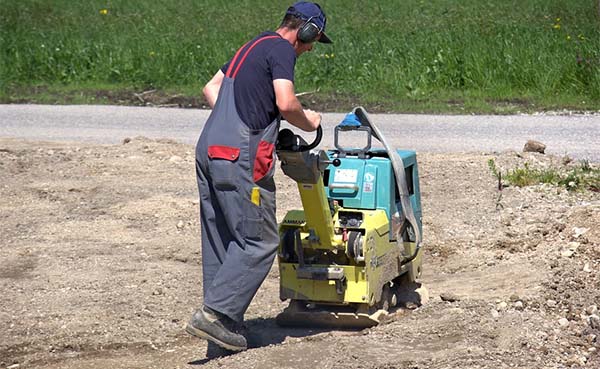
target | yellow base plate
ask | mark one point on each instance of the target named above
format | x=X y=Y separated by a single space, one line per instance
x=297 y=314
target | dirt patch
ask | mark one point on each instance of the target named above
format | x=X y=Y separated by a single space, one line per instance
x=117 y=96
x=100 y=267
x=522 y=103
x=318 y=101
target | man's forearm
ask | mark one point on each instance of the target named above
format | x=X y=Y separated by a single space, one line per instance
x=295 y=115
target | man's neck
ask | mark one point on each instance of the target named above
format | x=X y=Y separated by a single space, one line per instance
x=289 y=34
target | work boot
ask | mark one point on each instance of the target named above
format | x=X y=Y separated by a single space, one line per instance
x=216 y=327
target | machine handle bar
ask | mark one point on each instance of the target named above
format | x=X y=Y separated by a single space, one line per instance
x=344 y=186
x=315 y=143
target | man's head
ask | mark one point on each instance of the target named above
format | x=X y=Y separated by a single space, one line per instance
x=310 y=21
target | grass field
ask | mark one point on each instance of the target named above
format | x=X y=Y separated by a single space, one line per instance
x=413 y=55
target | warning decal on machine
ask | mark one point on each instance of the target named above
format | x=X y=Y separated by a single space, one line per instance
x=368 y=182
x=345 y=175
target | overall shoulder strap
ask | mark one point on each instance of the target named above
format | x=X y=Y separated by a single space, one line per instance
x=231 y=72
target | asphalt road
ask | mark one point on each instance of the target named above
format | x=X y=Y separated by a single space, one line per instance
x=575 y=135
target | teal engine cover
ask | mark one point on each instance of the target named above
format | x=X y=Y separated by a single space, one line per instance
x=369 y=183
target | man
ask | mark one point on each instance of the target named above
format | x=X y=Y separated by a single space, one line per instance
x=235 y=161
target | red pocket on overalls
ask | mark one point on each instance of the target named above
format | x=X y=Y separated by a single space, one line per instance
x=264 y=161
x=223 y=167
x=223 y=152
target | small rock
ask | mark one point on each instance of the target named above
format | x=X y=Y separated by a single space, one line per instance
x=14 y=366
x=551 y=303
x=495 y=314
x=587 y=268
x=457 y=311
x=594 y=321
x=449 y=297
x=563 y=322
x=175 y=159
x=180 y=224
x=514 y=297
x=502 y=306
x=519 y=306
x=126 y=140
x=567 y=253
x=534 y=146
x=577 y=232
x=591 y=310
x=181 y=259
x=147 y=313
x=576 y=361
x=157 y=292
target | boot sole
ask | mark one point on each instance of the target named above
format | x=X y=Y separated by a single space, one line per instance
x=201 y=334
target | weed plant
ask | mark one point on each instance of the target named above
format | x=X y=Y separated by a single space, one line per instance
x=406 y=55
x=577 y=178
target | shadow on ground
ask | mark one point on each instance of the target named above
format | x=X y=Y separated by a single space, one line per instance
x=260 y=333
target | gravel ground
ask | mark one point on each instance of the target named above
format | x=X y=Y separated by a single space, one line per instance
x=100 y=267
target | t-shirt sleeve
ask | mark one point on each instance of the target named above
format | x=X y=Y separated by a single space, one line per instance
x=224 y=67
x=282 y=60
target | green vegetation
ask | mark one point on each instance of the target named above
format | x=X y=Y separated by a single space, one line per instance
x=574 y=178
x=414 y=55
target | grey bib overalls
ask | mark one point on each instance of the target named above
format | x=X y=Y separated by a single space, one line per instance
x=239 y=231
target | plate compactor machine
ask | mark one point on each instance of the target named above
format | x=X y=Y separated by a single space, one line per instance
x=353 y=252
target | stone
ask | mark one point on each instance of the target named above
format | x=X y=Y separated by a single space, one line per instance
x=567 y=253
x=587 y=268
x=519 y=306
x=449 y=297
x=563 y=322
x=551 y=303
x=594 y=321
x=591 y=310
x=502 y=306
x=180 y=224
x=534 y=146
x=576 y=361
x=495 y=314
x=578 y=232
x=175 y=159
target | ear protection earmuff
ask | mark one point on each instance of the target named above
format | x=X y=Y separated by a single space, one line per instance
x=309 y=32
